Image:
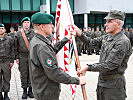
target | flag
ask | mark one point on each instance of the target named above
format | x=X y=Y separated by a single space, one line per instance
x=66 y=56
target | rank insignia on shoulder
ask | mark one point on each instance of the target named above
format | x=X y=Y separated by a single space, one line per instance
x=49 y=62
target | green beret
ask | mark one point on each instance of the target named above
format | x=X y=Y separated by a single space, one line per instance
x=25 y=19
x=41 y=18
x=114 y=14
x=1 y=25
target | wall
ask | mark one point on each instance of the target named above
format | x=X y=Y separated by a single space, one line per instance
x=87 y=6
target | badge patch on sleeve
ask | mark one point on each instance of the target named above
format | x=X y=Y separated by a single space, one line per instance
x=49 y=62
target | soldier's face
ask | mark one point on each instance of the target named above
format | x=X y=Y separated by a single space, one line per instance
x=89 y=29
x=12 y=30
x=97 y=29
x=2 y=30
x=26 y=24
x=111 y=26
x=48 y=28
x=84 y=30
x=102 y=29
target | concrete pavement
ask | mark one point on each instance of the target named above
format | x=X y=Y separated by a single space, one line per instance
x=91 y=77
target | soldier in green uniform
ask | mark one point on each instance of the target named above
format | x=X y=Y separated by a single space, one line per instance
x=79 y=45
x=97 y=34
x=92 y=36
x=50 y=37
x=127 y=33
x=89 y=34
x=84 y=46
x=19 y=28
x=6 y=62
x=114 y=55
x=21 y=52
x=45 y=74
x=102 y=31
x=131 y=35
x=12 y=32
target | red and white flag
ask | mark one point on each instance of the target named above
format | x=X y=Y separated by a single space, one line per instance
x=66 y=56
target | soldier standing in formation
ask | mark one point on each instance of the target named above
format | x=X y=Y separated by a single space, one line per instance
x=79 y=45
x=92 y=36
x=97 y=34
x=12 y=32
x=19 y=28
x=89 y=34
x=6 y=62
x=131 y=36
x=115 y=52
x=22 y=39
x=127 y=33
x=45 y=74
x=102 y=31
x=84 y=46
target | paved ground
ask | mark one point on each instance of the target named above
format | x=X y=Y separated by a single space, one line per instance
x=91 y=77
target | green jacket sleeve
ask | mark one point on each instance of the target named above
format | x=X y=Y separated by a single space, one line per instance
x=119 y=53
x=60 y=44
x=48 y=61
x=92 y=43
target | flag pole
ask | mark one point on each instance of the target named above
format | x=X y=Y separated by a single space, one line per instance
x=78 y=66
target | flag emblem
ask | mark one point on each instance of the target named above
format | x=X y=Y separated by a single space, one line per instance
x=49 y=62
x=63 y=25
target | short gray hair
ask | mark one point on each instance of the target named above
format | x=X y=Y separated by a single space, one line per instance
x=122 y=22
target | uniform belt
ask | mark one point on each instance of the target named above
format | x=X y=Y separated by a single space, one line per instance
x=111 y=77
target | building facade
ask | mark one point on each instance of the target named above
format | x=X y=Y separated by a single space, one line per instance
x=92 y=12
x=86 y=12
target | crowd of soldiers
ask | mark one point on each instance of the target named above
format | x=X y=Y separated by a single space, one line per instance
x=13 y=46
x=91 y=33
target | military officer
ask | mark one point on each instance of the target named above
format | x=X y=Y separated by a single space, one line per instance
x=131 y=35
x=79 y=45
x=84 y=46
x=45 y=74
x=12 y=32
x=19 y=28
x=127 y=33
x=22 y=39
x=50 y=37
x=97 y=34
x=89 y=34
x=6 y=62
x=115 y=53
x=92 y=36
x=102 y=31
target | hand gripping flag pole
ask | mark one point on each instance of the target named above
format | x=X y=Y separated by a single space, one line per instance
x=63 y=21
x=78 y=65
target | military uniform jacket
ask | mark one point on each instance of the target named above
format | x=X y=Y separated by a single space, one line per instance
x=11 y=34
x=20 y=46
x=131 y=38
x=114 y=55
x=98 y=33
x=7 y=49
x=88 y=34
x=45 y=74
